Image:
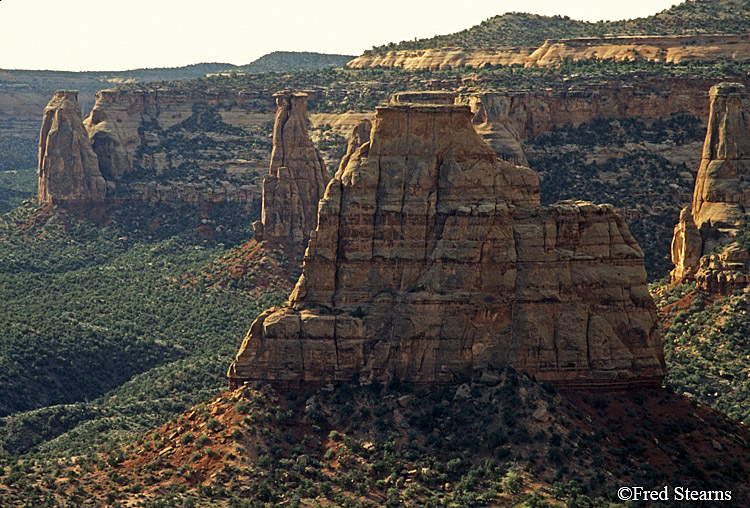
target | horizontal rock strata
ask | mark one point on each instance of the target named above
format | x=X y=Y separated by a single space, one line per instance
x=662 y=49
x=433 y=262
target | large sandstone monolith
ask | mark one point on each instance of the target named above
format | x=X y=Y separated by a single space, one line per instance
x=433 y=262
x=68 y=167
x=721 y=199
x=296 y=181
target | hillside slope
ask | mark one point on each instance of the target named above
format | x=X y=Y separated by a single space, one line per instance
x=521 y=29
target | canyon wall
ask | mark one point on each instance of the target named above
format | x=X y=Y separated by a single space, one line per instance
x=433 y=262
x=662 y=49
x=707 y=245
x=176 y=146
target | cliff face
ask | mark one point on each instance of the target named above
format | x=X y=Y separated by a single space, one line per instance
x=663 y=49
x=720 y=200
x=296 y=180
x=433 y=261
x=68 y=167
x=174 y=146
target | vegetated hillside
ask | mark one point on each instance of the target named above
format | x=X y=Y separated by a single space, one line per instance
x=505 y=441
x=288 y=61
x=707 y=345
x=646 y=168
x=521 y=29
x=109 y=328
x=16 y=186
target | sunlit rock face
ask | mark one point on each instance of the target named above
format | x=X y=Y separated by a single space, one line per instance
x=296 y=180
x=433 y=262
x=721 y=199
x=68 y=166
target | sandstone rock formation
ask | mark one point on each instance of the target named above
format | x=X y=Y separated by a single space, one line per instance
x=433 y=262
x=701 y=245
x=68 y=167
x=359 y=136
x=133 y=137
x=663 y=49
x=297 y=178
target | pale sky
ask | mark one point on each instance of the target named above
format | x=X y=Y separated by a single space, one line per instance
x=106 y=35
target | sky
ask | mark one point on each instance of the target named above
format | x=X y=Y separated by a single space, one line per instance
x=78 y=35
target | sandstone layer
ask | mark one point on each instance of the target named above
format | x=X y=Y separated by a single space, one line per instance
x=68 y=167
x=444 y=58
x=704 y=246
x=662 y=49
x=359 y=136
x=296 y=180
x=433 y=262
x=171 y=146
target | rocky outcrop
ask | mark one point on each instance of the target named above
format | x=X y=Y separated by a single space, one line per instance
x=433 y=261
x=686 y=247
x=162 y=146
x=359 y=136
x=721 y=200
x=662 y=49
x=443 y=58
x=68 y=167
x=492 y=121
x=297 y=178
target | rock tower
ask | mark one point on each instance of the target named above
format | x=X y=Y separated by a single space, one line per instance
x=296 y=180
x=68 y=167
x=433 y=262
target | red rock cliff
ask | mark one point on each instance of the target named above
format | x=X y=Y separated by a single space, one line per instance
x=433 y=261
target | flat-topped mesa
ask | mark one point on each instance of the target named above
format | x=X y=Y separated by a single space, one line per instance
x=68 y=167
x=433 y=262
x=297 y=178
x=721 y=199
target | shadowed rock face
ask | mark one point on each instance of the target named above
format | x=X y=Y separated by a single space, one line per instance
x=432 y=261
x=720 y=200
x=68 y=166
x=297 y=178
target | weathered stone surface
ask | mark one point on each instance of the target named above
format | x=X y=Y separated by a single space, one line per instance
x=297 y=178
x=492 y=121
x=68 y=167
x=722 y=186
x=721 y=199
x=433 y=261
x=686 y=247
x=663 y=49
x=359 y=136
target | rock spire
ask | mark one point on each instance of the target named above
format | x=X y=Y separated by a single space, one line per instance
x=296 y=180
x=701 y=244
x=68 y=167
